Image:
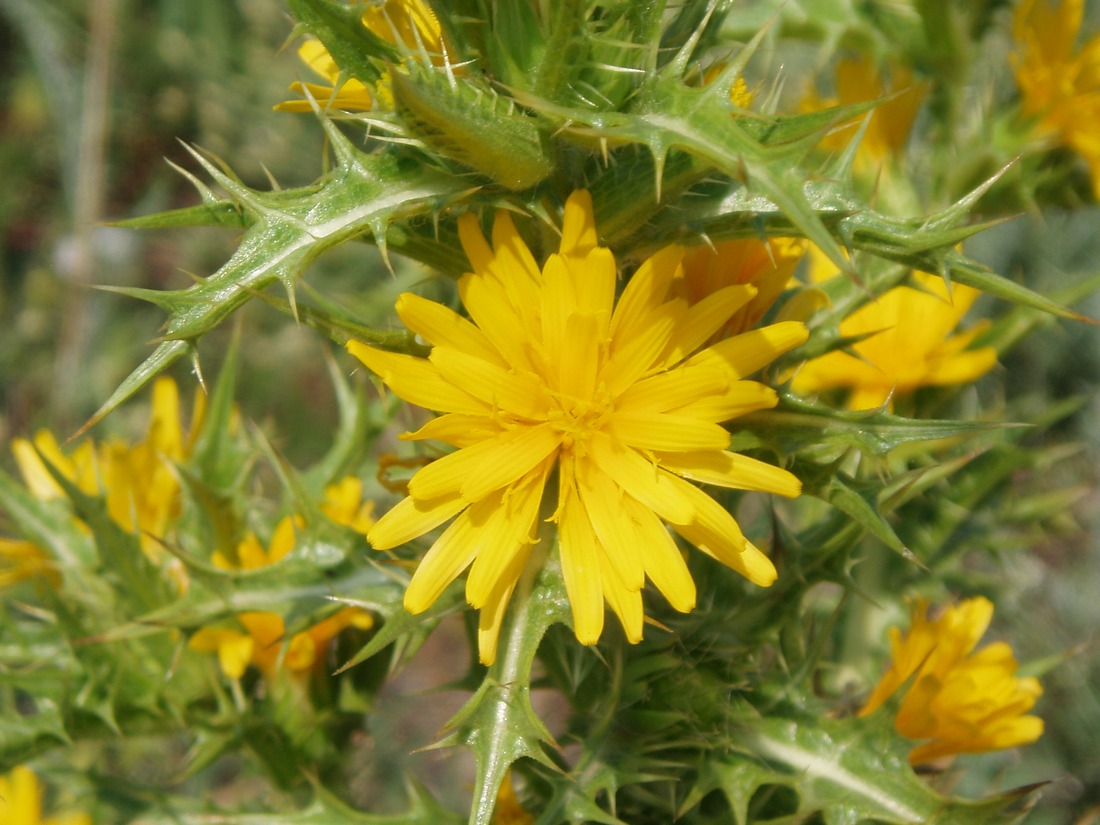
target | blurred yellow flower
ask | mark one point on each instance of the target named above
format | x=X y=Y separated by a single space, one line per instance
x=550 y=379
x=21 y=560
x=909 y=345
x=409 y=24
x=960 y=700
x=260 y=642
x=859 y=80
x=767 y=265
x=1059 y=83
x=138 y=481
x=21 y=802
x=508 y=810
x=344 y=504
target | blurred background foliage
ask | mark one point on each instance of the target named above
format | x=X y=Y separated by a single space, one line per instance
x=95 y=95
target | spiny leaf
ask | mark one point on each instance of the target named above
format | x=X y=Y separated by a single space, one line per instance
x=339 y=27
x=220 y=213
x=46 y=524
x=849 y=770
x=862 y=507
x=288 y=230
x=326 y=809
x=796 y=425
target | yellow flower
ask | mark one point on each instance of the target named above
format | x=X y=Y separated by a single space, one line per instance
x=1059 y=84
x=344 y=504
x=263 y=634
x=138 y=481
x=859 y=80
x=963 y=701
x=552 y=379
x=21 y=560
x=409 y=24
x=909 y=345
x=508 y=810
x=767 y=265
x=21 y=802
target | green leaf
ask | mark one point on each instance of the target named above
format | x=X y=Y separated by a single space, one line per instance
x=48 y=524
x=862 y=506
x=849 y=770
x=797 y=425
x=326 y=809
x=339 y=27
x=363 y=194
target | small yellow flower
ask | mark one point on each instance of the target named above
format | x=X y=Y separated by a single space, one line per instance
x=410 y=24
x=21 y=560
x=551 y=379
x=138 y=481
x=21 y=802
x=261 y=640
x=909 y=345
x=859 y=80
x=767 y=265
x=344 y=504
x=960 y=700
x=508 y=810
x=1059 y=84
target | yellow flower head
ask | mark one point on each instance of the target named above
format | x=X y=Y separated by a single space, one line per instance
x=960 y=700
x=1059 y=84
x=138 y=480
x=409 y=24
x=909 y=345
x=21 y=560
x=767 y=265
x=344 y=504
x=859 y=80
x=551 y=376
x=261 y=640
x=21 y=802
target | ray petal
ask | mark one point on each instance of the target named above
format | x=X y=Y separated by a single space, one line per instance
x=509 y=534
x=645 y=291
x=662 y=431
x=603 y=502
x=741 y=398
x=581 y=569
x=733 y=470
x=642 y=479
x=517 y=392
x=442 y=326
x=456 y=429
x=626 y=603
x=746 y=353
x=411 y=518
x=664 y=564
x=674 y=388
x=416 y=380
x=705 y=318
x=486 y=466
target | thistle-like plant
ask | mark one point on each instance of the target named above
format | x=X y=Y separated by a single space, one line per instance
x=598 y=364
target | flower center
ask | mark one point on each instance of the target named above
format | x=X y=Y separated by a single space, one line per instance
x=577 y=418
